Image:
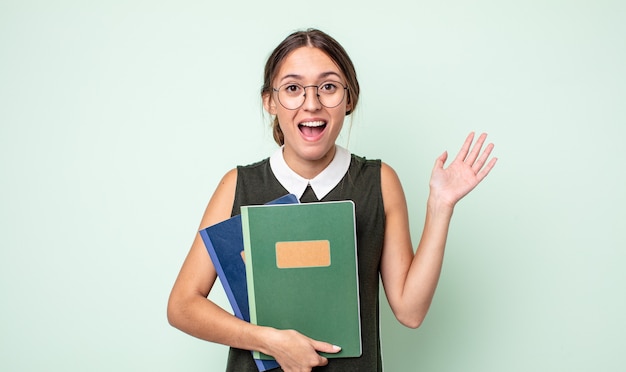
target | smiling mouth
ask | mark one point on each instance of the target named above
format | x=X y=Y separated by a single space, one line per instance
x=312 y=128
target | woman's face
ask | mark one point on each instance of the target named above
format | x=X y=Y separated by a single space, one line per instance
x=311 y=130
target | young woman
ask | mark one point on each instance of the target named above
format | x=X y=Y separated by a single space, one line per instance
x=310 y=86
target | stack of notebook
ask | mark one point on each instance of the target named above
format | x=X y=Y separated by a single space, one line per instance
x=292 y=266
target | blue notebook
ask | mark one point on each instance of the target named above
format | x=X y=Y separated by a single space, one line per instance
x=224 y=242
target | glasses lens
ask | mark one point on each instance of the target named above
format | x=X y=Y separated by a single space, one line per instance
x=331 y=93
x=291 y=96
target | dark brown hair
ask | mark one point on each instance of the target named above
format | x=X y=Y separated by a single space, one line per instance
x=325 y=43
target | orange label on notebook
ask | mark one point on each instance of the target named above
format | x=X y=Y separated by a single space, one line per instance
x=312 y=253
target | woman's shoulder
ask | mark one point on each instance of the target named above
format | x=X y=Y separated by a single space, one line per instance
x=388 y=176
x=364 y=161
x=258 y=164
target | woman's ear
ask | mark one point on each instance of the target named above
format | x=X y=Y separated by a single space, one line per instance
x=349 y=104
x=268 y=104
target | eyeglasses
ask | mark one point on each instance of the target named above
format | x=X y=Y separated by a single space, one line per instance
x=292 y=96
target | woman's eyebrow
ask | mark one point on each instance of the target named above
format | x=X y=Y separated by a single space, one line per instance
x=291 y=76
x=323 y=75
x=329 y=73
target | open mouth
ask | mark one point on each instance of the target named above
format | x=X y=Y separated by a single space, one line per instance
x=312 y=128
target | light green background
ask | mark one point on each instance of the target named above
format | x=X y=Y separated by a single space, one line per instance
x=118 y=118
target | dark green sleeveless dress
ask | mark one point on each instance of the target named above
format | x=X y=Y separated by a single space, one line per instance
x=256 y=184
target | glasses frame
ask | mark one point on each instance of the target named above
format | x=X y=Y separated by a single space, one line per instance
x=317 y=87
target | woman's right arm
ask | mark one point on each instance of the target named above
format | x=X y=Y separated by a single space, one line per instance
x=188 y=308
x=192 y=312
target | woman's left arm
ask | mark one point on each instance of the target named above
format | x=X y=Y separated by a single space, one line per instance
x=410 y=279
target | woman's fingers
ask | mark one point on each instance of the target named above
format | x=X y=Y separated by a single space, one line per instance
x=480 y=162
x=462 y=155
x=472 y=156
x=485 y=171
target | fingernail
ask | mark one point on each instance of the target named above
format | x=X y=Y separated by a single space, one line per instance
x=336 y=347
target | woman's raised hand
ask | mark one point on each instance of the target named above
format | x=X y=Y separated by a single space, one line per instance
x=449 y=185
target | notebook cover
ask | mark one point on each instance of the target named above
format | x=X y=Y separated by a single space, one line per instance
x=301 y=269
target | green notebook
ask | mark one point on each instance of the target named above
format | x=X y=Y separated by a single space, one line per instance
x=301 y=268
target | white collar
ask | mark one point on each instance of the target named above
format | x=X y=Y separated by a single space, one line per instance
x=322 y=184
